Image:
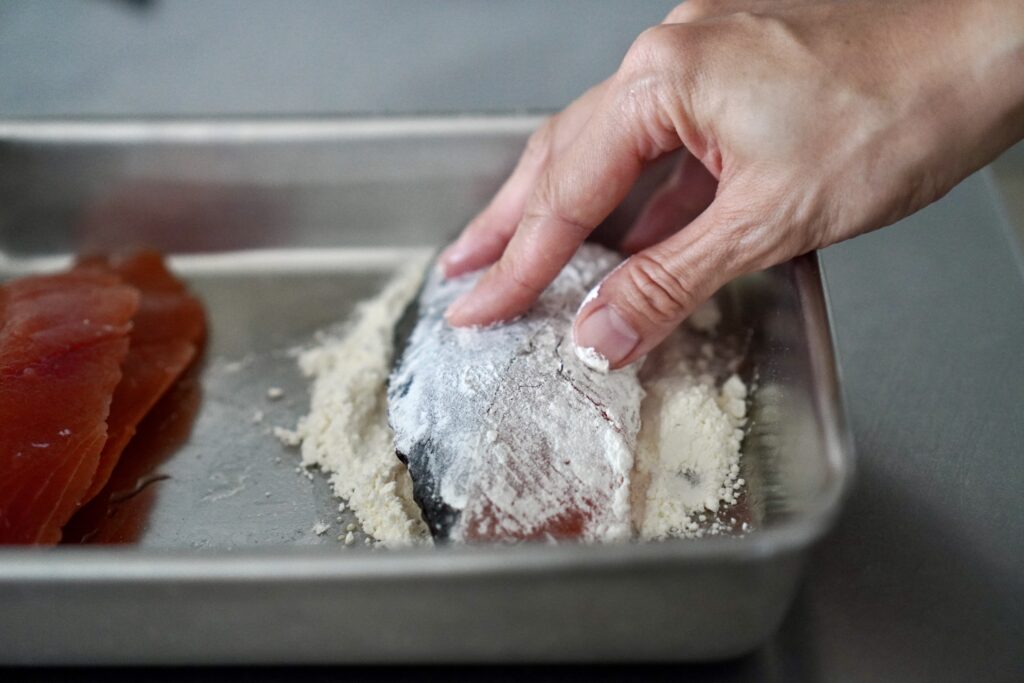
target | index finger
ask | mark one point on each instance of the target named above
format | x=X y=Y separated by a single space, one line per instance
x=571 y=198
x=485 y=238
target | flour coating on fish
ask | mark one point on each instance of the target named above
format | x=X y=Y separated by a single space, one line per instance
x=508 y=435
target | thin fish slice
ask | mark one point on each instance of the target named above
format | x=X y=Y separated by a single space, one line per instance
x=508 y=436
x=62 y=341
x=168 y=328
x=119 y=514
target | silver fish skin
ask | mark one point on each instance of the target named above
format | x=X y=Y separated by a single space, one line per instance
x=507 y=434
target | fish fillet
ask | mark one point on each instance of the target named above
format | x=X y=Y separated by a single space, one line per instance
x=62 y=341
x=167 y=330
x=508 y=436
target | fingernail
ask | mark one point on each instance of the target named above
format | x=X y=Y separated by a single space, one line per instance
x=450 y=257
x=608 y=334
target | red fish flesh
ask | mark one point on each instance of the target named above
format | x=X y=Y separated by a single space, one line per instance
x=63 y=339
x=167 y=331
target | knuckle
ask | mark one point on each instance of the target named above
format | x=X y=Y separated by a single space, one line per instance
x=652 y=49
x=546 y=208
x=655 y=293
x=691 y=10
x=658 y=76
x=510 y=271
x=539 y=143
x=665 y=56
x=762 y=27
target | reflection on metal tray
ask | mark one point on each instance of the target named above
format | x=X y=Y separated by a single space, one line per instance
x=282 y=227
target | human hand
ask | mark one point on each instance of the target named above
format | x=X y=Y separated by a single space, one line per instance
x=806 y=122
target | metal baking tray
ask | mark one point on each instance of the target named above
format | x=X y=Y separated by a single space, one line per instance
x=282 y=226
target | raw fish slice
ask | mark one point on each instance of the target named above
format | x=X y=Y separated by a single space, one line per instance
x=167 y=330
x=508 y=436
x=120 y=512
x=62 y=340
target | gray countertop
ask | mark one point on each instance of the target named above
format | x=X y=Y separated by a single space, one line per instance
x=923 y=579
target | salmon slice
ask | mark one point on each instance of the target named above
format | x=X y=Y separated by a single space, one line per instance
x=62 y=341
x=168 y=328
x=120 y=512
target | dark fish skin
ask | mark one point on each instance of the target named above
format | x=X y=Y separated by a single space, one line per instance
x=439 y=516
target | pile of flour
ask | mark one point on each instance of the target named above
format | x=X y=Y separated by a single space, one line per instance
x=688 y=452
x=346 y=432
x=686 y=470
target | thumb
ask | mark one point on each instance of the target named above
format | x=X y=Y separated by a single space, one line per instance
x=653 y=291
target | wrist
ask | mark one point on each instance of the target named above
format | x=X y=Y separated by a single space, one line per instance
x=988 y=64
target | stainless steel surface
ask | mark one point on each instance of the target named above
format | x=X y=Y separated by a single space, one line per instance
x=282 y=227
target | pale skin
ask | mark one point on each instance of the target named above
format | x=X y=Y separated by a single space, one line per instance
x=803 y=123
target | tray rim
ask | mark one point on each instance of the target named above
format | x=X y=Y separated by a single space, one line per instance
x=247 y=129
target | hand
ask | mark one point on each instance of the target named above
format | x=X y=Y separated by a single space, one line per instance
x=805 y=122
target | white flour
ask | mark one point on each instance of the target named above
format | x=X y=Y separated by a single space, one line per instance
x=687 y=464
x=592 y=358
x=346 y=432
x=686 y=454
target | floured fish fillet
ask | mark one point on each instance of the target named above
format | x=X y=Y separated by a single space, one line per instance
x=508 y=436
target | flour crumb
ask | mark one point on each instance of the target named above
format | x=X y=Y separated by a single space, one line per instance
x=346 y=433
x=257 y=417
x=321 y=528
x=289 y=437
x=592 y=358
x=236 y=366
x=274 y=393
x=706 y=317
